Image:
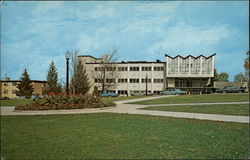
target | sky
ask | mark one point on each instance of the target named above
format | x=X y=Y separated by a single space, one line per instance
x=35 y=33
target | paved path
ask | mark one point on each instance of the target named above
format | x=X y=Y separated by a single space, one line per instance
x=122 y=107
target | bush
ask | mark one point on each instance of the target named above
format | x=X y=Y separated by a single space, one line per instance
x=62 y=101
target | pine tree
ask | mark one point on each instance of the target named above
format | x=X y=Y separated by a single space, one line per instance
x=52 y=80
x=80 y=80
x=25 y=86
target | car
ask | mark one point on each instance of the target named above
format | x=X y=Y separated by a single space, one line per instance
x=5 y=98
x=108 y=94
x=173 y=92
x=230 y=89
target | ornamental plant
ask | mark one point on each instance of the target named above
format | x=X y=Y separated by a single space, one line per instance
x=61 y=101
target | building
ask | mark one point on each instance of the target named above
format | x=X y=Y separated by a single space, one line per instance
x=9 y=87
x=194 y=74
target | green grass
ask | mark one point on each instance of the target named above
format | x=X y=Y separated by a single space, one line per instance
x=198 y=99
x=120 y=136
x=112 y=99
x=13 y=102
x=227 y=109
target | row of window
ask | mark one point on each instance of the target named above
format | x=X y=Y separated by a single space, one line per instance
x=7 y=91
x=13 y=84
x=130 y=68
x=125 y=92
x=135 y=80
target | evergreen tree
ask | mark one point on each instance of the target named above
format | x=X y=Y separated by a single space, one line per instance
x=52 y=80
x=80 y=79
x=25 y=86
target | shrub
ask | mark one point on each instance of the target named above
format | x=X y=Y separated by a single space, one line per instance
x=60 y=101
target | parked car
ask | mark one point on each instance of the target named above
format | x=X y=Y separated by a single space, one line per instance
x=173 y=92
x=230 y=89
x=5 y=98
x=108 y=94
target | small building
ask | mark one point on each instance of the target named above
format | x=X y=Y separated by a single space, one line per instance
x=193 y=74
x=9 y=87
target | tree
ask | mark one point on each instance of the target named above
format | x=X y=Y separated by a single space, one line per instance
x=246 y=65
x=106 y=74
x=216 y=75
x=223 y=77
x=52 y=80
x=240 y=78
x=80 y=80
x=25 y=86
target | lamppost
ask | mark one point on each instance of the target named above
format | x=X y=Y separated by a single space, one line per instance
x=146 y=84
x=67 y=56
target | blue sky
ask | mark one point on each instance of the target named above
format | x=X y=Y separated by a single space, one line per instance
x=35 y=33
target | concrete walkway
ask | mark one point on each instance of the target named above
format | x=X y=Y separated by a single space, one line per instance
x=122 y=107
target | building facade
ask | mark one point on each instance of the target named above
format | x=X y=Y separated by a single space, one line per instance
x=9 y=87
x=194 y=74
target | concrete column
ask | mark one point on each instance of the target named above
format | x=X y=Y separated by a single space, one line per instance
x=178 y=65
x=201 y=60
x=189 y=66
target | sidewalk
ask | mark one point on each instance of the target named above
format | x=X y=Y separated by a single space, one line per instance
x=136 y=109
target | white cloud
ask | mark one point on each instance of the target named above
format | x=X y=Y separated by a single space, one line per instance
x=44 y=7
x=157 y=8
x=187 y=39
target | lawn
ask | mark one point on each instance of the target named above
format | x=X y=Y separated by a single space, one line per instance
x=206 y=98
x=14 y=102
x=112 y=99
x=120 y=136
x=227 y=109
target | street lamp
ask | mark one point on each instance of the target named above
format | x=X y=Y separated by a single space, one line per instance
x=67 y=56
x=146 y=84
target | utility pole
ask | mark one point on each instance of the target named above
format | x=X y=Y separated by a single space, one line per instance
x=146 y=84
x=67 y=55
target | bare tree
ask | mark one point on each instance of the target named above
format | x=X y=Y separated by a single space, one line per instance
x=73 y=68
x=106 y=74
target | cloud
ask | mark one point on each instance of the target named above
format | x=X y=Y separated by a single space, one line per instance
x=187 y=39
x=44 y=7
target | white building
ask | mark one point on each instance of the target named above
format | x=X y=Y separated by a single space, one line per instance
x=194 y=74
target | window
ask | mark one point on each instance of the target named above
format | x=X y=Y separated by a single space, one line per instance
x=122 y=80
x=5 y=84
x=122 y=68
x=146 y=68
x=5 y=91
x=14 y=83
x=158 y=80
x=122 y=92
x=98 y=80
x=134 y=68
x=111 y=68
x=13 y=91
x=133 y=80
x=158 y=68
x=110 y=80
x=98 y=68
x=144 y=80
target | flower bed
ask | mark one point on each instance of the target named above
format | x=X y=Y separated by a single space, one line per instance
x=61 y=101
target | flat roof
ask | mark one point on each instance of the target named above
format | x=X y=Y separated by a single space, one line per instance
x=20 y=81
x=128 y=62
x=88 y=56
